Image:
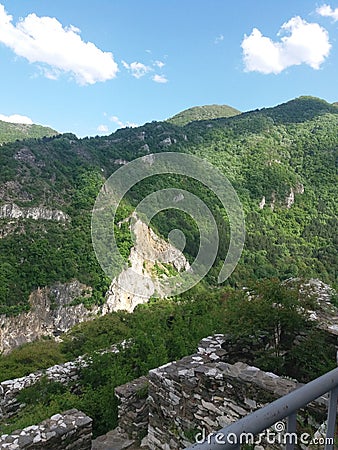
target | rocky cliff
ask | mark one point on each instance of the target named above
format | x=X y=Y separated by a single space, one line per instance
x=12 y=211
x=137 y=283
x=50 y=314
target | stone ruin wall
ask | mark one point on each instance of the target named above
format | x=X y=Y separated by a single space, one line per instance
x=199 y=393
x=9 y=389
x=71 y=430
x=133 y=410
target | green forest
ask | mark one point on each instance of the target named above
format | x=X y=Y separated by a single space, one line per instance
x=163 y=331
x=262 y=153
x=268 y=153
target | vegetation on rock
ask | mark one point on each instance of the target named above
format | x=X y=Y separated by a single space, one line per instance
x=267 y=329
x=12 y=131
x=284 y=155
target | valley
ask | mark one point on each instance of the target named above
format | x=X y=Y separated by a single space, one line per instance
x=57 y=301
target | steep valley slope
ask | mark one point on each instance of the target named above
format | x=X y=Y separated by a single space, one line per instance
x=281 y=161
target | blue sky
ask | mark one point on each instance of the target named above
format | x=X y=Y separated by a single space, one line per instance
x=90 y=67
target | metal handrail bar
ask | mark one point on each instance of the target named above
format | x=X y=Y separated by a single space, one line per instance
x=284 y=407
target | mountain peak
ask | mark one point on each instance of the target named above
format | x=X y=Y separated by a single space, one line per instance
x=206 y=112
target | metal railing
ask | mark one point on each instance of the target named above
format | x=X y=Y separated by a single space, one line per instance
x=240 y=432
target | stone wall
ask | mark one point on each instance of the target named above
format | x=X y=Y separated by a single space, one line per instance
x=133 y=410
x=200 y=393
x=63 y=373
x=71 y=430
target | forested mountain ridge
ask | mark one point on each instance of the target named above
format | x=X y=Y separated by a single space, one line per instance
x=12 y=131
x=207 y=112
x=281 y=161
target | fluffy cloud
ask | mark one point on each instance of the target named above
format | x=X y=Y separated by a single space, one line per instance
x=327 y=11
x=137 y=69
x=219 y=39
x=59 y=49
x=16 y=118
x=159 y=79
x=159 y=64
x=102 y=129
x=121 y=124
x=305 y=43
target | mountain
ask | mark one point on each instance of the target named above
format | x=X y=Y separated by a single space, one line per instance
x=11 y=131
x=281 y=162
x=206 y=112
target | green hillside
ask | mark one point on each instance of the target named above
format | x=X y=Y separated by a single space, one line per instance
x=206 y=112
x=264 y=153
x=284 y=155
x=12 y=131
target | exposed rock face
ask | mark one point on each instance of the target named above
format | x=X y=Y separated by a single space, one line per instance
x=290 y=199
x=167 y=141
x=12 y=211
x=71 y=430
x=25 y=155
x=120 y=162
x=135 y=284
x=50 y=315
x=262 y=203
x=325 y=313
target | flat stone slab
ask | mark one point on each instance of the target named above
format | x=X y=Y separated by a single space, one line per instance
x=112 y=441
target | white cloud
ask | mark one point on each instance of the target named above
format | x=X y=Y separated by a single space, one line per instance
x=219 y=39
x=159 y=64
x=137 y=69
x=16 y=118
x=59 y=49
x=306 y=43
x=121 y=124
x=102 y=129
x=327 y=11
x=160 y=79
x=116 y=120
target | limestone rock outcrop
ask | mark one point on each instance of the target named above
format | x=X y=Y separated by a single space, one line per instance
x=12 y=211
x=136 y=283
x=50 y=314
